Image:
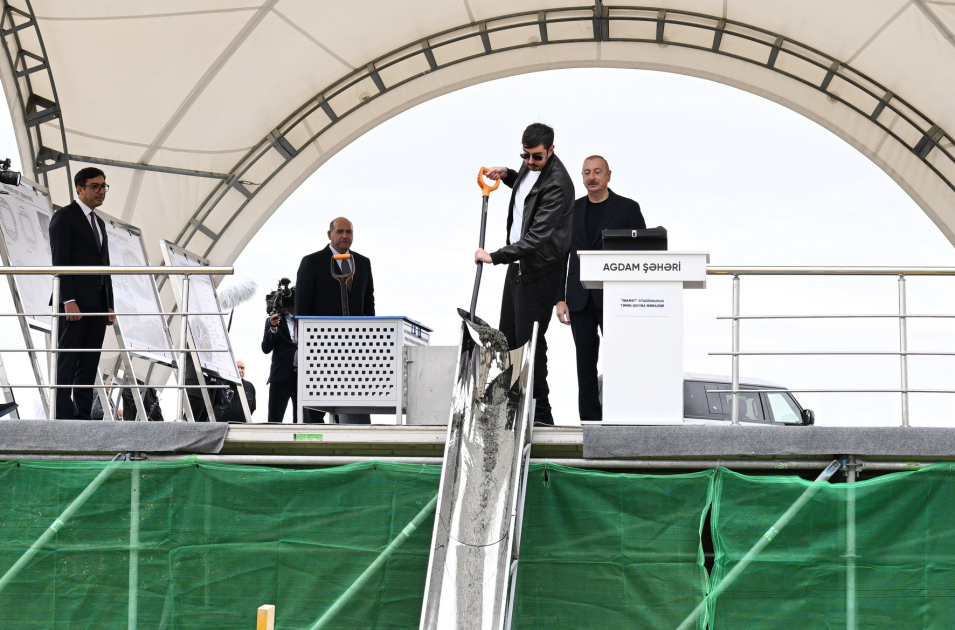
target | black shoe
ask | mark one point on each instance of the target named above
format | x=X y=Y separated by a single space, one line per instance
x=544 y=420
x=6 y=408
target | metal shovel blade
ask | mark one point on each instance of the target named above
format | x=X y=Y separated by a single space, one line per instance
x=467 y=582
x=477 y=320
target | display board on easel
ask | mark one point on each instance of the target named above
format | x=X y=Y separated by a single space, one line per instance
x=143 y=335
x=25 y=214
x=208 y=331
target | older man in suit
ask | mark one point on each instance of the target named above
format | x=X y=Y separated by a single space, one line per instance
x=318 y=292
x=580 y=308
x=78 y=238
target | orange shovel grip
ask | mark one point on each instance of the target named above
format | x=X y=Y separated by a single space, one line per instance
x=485 y=187
x=341 y=256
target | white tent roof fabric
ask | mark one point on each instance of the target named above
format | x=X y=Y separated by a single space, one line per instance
x=209 y=113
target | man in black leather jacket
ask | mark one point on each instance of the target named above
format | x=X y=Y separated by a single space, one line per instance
x=539 y=221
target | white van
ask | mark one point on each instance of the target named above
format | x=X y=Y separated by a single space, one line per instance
x=765 y=407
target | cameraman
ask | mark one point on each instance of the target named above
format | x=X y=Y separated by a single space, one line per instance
x=281 y=339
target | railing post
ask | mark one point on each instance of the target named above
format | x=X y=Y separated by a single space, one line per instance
x=54 y=341
x=734 y=416
x=903 y=347
x=183 y=355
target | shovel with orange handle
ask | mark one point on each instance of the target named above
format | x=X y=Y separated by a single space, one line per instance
x=485 y=194
x=344 y=276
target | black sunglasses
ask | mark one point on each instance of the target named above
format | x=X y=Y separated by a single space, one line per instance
x=537 y=157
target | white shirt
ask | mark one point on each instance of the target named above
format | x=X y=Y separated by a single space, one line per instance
x=87 y=211
x=523 y=188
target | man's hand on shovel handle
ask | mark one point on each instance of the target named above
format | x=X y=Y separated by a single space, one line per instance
x=496 y=172
x=481 y=256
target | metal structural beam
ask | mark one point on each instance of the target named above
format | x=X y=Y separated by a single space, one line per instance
x=835 y=78
x=39 y=105
x=933 y=146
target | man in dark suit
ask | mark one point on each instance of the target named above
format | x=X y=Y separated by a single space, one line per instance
x=234 y=412
x=581 y=308
x=280 y=341
x=78 y=237
x=318 y=293
x=538 y=235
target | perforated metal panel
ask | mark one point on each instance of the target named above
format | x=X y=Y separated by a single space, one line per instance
x=355 y=364
x=351 y=362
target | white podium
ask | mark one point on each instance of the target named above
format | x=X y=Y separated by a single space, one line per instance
x=643 y=329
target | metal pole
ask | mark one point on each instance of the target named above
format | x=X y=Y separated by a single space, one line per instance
x=7 y=392
x=137 y=393
x=352 y=590
x=519 y=516
x=133 y=547
x=851 y=616
x=54 y=341
x=764 y=540
x=57 y=524
x=734 y=406
x=181 y=400
x=903 y=347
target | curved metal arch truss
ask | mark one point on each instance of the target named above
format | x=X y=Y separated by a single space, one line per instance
x=41 y=153
x=838 y=80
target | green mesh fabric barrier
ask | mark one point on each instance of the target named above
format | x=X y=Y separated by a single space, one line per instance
x=905 y=553
x=603 y=551
x=216 y=541
x=600 y=550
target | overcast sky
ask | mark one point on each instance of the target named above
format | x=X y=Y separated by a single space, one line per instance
x=724 y=171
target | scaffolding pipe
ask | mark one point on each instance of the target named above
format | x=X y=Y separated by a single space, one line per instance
x=342 y=460
x=54 y=340
x=133 y=547
x=182 y=401
x=57 y=524
x=734 y=405
x=851 y=612
x=764 y=540
x=374 y=566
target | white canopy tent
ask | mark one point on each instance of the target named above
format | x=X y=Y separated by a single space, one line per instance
x=209 y=113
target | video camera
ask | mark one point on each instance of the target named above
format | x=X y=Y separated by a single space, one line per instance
x=7 y=176
x=282 y=299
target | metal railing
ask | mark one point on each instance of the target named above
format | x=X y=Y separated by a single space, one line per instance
x=902 y=316
x=54 y=350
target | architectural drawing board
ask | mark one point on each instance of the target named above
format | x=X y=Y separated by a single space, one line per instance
x=25 y=214
x=143 y=335
x=208 y=331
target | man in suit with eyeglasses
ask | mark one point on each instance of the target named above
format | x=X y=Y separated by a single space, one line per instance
x=78 y=238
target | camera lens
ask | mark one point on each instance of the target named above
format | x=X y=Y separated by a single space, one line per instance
x=11 y=178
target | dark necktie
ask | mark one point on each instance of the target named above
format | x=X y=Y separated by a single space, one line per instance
x=99 y=241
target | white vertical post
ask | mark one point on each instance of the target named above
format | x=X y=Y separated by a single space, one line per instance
x=903 y=347
x=54 y=341
x=182 y=401
x=133 y=612
x=734 y=415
